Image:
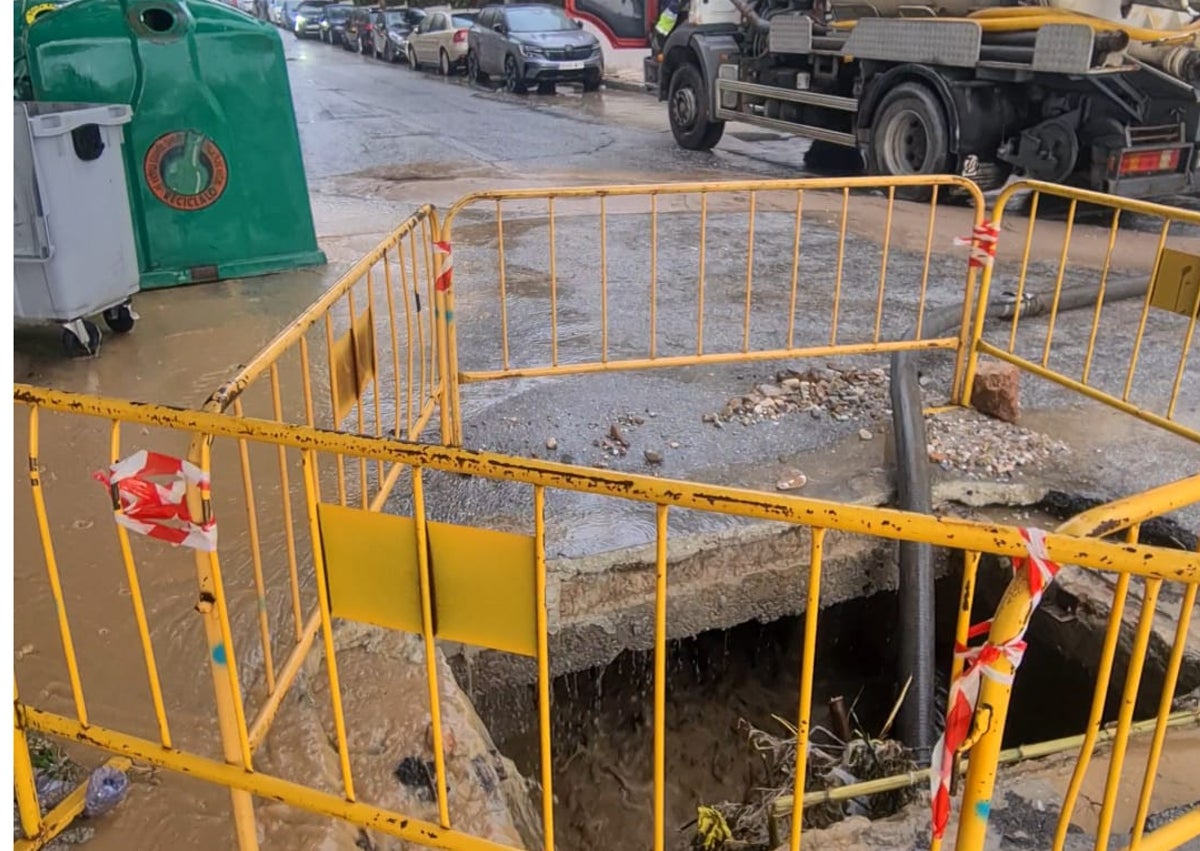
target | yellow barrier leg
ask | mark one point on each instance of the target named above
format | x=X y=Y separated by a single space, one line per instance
x=991 y=713
x=219 y=656
x=24 y=785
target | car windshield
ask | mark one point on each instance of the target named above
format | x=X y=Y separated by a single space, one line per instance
x=536 y=19
x=309 y=11
x=401 y=18
x=337 y=13
x=464 y=20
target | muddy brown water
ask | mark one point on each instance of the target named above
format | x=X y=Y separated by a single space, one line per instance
x=602 y=718
x=188 y=341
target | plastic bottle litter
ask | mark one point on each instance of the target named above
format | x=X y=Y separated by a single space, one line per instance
x=106 y=788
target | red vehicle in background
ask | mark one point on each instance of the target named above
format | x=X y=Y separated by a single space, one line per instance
x=622 y=24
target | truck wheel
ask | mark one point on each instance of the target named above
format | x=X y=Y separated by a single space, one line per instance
x=909 y=137
x=689 y=111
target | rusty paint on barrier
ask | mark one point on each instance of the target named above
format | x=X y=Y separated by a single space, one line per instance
x=888 y=523
x=455 y=565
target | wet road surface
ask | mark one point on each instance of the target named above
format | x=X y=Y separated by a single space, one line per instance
x=378 y=141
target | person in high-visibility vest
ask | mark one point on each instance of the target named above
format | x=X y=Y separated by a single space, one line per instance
x=666 y=22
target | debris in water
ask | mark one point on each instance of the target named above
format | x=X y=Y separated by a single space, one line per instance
x=758 y=824
x=56 y=776
x=420 y=776
x=106 y=788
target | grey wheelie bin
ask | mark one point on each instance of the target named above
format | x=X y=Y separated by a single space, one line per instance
x=73 y=249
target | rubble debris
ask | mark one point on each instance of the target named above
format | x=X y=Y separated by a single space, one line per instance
x=551 y=444
x=793 y=483
x=653 y=457
x=752 y=823
x=843 y=394
x=982 y=447
x=967 y=442
x=997 y=390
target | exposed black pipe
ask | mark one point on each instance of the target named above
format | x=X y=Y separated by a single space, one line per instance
x=918 y=725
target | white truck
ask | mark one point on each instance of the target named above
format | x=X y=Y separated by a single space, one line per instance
x=1098 y=95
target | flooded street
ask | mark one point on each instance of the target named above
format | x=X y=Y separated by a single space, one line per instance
x=378 y=142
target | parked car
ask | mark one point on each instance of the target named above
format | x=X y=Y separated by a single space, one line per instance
x=390 y=31
x=287 y=13
x=333 y=22
x=308 y=20
x=357 y=36
x=275 y=12
x=441 y=38
x=533 y=44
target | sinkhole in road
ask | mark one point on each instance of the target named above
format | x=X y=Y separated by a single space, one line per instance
x=721 y=681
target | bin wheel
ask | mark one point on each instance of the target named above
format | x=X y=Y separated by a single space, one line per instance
x=72 y=339
x=120 y=318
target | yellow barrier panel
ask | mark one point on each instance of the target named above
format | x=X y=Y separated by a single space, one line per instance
x=240 y=740
x=1150 y=247
x=681 y=274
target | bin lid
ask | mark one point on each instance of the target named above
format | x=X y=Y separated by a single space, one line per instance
x=56 y=119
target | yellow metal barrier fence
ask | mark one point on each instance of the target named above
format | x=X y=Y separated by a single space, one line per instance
x=636 y=277
x=299 y=533
x=493 y=596
x=1155 y=246
x=372 y=340
x=1011 y=619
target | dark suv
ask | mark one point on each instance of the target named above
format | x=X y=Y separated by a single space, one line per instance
x=333 y=22
x=308 y=20
x=532 y=44
x=357 y=36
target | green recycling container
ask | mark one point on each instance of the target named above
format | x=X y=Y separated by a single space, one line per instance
x=25 y=12
x=213 y=158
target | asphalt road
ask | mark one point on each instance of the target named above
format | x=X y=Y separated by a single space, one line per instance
x=357 y=113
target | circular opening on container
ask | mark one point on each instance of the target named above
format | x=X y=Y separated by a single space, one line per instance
x=158 y=20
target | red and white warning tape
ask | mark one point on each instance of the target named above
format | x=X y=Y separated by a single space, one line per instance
x=979 y=662
x=446 y=277
x=159 y=511
x=983 y=244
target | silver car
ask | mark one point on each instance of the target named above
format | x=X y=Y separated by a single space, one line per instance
x=533 y=45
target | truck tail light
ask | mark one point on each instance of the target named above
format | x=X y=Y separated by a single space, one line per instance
x=1149 y=162
x=460 y=36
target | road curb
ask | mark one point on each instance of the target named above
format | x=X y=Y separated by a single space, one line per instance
x=625 y=86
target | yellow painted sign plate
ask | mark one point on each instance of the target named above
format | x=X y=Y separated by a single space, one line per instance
x=482 y=581
x=1177 y=283
x=354 y=363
